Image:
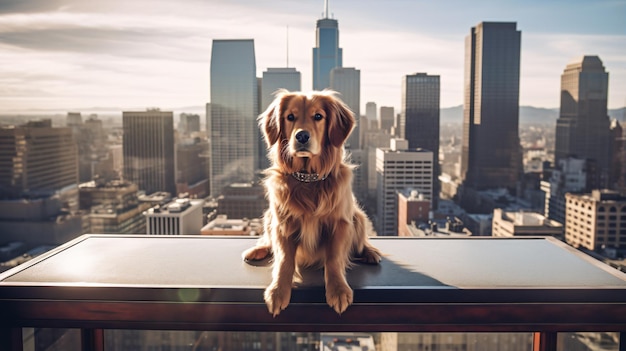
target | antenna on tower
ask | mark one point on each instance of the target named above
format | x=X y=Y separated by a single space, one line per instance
x=325 y=8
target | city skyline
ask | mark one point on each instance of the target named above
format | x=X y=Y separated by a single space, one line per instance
x=65 y=54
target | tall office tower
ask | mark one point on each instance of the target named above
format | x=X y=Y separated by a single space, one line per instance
x=419 y=119
x=37 y=159
x=347 y=82
x=148 y=145
x=73 y=119
x=370 y=111
x=273 y=80
x=192 y=167
x=491 y=156
x=38 y=184
x=179 y=217
x=399 y=168
x=94 y=156
x=234 y=131
x=583 y=126
x=278 y=78
x=569 y=176
x=387 y=118
x=189 y=123
x=595 y=221
x=326 y=54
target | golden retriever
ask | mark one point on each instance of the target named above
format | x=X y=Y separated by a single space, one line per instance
x=312 y=219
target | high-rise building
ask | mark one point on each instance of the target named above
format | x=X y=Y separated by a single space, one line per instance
x=347 y=82
x=278 y=78
x=370 y=111
x=419 y=119
x=38 y=184
x=189 y=123
x=149 y=150
x=491 y=155
x=192 y=167
x=399 y=168
x=386 y=118
x=234 y=109
x=569 y=176
x=595 y=221
x=583 y=126
x=326 y=54
x=37 y=159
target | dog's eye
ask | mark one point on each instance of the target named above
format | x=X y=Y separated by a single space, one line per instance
x=318 y=117
x=291 y=117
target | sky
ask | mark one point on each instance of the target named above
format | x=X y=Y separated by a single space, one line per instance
x=68 y=55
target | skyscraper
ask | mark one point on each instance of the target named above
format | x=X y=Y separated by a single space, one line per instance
x=370 y=111
x=399 y=168
x=149 y=150
x=347 y=82
x=583 y=126
x=420 y=118
x=326 y=54
x=234 y=108
x=386 y=118
x=278 y=78
x=38 y=184
x=37 y=160
x=491 y=156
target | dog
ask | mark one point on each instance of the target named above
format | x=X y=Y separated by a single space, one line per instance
x=313 y=219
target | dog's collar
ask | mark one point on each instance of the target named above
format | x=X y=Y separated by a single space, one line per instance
x=308 y=177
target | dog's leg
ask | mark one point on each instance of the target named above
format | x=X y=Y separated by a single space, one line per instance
x=365 y=252
x=278 y=293
x=338 y=292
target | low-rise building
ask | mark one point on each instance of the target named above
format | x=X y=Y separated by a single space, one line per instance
x=522 y=223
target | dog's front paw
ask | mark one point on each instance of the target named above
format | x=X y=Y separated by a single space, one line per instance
x=256 y=253
x=371 y=255
x=277 y=298
x=339 y=297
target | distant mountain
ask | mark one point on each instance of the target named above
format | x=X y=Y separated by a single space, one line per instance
x=527 y=114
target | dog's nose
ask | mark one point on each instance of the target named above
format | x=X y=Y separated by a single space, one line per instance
x=302 y=136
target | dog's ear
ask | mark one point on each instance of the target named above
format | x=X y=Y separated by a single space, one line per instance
x=341 y=121
x=269 y=121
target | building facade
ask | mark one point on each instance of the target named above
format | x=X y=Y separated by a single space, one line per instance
x=583 y=126
x=278 y=78
x=386 y=118
x=179 y=217
x=419 y=119
x=148 y=145
x=192 y=167
x=491 y=153
x=570 y=176
x=326 y=54
x=234 y=108
x=521 y=223
x=399 y=168
x=347 y=82
x=596 y=221
x=37 y=159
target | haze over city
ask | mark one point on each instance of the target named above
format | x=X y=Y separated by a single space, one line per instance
x=61 y=55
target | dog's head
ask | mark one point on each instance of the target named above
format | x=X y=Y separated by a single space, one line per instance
x=306 y=125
